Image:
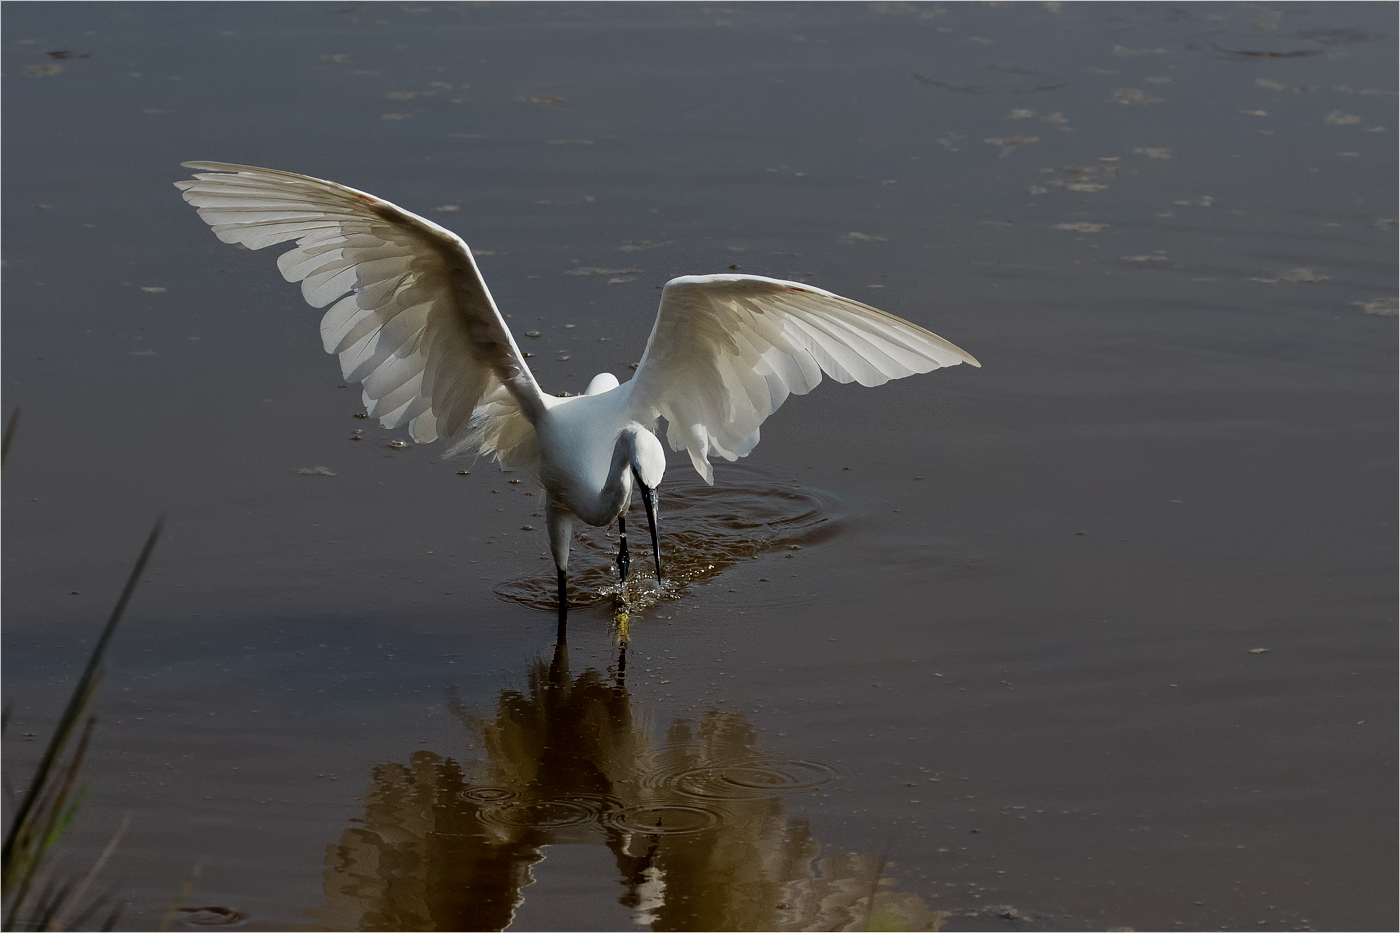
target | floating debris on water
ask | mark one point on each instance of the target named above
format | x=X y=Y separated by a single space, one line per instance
x=1122 y=51
x=1268 y=53
x=1010 y=143
x=907 y=9
x=1293 y=275
x=1132 y=95
x=1302 y=275
x=315 y=471
x=1385 y=307
x=596 y=270
x=1278 y=86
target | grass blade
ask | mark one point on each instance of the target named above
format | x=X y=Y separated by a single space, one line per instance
x=180 y=898
x=82 y=694
x=62 y=919
x=50 y=803
x=10 y=427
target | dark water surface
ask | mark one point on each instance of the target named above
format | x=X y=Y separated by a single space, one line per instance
x=981 y=642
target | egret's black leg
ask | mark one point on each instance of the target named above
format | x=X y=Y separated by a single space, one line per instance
x=563 y=608
x=623 y=561
x=561 y=529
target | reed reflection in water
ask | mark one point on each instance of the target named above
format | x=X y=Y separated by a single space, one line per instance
x=697 y=824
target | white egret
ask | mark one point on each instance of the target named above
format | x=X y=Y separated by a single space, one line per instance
x=412 y=320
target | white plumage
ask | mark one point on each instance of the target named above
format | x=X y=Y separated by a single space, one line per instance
x=727 y=350
x=412 y=320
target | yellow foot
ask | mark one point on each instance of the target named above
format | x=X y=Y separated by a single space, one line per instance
x=620 y=619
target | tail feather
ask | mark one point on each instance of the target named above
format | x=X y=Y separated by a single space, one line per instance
x=499 y=427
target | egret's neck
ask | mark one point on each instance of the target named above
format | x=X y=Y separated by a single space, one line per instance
x=617 y=489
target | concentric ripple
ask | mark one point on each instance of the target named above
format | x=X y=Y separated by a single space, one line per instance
x=762 y=777
x=546 y=812
x=210 y=916
x=488 y=795
x=666 y=820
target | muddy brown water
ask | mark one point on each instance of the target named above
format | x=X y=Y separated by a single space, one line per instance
x=1100 y=635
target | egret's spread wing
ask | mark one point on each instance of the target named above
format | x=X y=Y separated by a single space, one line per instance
x=418 y=327
x=727 y=350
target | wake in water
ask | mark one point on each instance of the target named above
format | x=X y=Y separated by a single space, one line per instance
x=704 y=530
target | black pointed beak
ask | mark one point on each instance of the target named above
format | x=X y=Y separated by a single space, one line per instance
x=649 y=500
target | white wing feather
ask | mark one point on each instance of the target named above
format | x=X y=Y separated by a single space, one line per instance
x=418 y=328
x=727 y=350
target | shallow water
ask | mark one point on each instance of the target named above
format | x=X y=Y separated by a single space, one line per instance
x=1012 y=665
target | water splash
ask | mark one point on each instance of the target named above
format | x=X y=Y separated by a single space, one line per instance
x=704 y=530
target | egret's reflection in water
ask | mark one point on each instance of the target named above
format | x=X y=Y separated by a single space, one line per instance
x=697 y=825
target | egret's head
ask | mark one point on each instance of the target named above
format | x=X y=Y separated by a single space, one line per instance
x=647 y=460
x=645 y=455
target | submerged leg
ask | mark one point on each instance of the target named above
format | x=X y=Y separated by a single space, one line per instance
x=623 y=561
